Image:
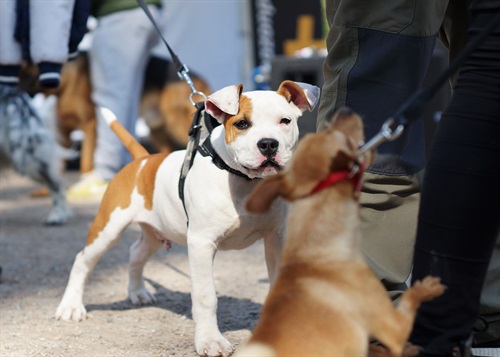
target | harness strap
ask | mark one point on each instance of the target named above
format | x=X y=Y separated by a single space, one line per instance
x=194 y=139
x=203 y=123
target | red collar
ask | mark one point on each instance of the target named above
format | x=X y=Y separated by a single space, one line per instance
x=336 y=177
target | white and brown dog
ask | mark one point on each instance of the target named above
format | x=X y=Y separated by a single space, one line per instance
x=326 y=301
x=257 y=137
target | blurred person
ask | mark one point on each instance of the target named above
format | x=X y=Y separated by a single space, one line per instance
x=378 y=55
x=120 y=48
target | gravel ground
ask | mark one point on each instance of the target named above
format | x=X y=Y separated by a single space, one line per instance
x=36 y=261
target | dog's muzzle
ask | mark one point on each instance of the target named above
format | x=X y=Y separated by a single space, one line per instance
x=268 y=147
x=271 y=163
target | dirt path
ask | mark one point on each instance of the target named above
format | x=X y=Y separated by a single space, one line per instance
x=36 y=261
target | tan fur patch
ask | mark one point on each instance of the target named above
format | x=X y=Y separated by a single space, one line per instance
x=118 y=195
x=294 y=93
x=146 y=184
x=245 y=113
x=133 y=146
x=119 y=192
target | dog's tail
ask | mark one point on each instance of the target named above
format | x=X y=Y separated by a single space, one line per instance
x=133 y=146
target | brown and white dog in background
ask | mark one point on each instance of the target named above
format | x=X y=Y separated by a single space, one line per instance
x=326 y=300
x=165 y=107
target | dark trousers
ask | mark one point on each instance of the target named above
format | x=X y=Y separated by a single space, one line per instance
x=378 y=55
x=460 y=206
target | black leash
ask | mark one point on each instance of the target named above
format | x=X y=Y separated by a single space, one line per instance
x=415 y=103
x=199 y=123
x=182 y=69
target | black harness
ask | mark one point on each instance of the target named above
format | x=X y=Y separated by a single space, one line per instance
x=202 y=127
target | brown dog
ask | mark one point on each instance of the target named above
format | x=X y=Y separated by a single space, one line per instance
x=326 y=301
x=169 y=112
x=165 y=106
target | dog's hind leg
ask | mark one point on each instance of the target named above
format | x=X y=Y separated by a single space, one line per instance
x=140 y=251
x=103 y=235
x=273 y=247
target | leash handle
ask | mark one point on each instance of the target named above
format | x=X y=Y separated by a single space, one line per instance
x=182 y=69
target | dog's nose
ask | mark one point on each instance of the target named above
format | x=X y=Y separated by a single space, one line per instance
x=268 y=147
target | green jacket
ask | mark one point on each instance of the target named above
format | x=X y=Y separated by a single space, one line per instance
x=106 y=7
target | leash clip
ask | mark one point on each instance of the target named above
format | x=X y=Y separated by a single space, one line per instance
x=183 y=74
x=385 y=134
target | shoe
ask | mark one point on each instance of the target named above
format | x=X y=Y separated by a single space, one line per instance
x=485 y=350
x=493 y=351
x=90 y=188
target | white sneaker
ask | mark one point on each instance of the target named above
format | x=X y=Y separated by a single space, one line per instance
x=90 y=188
x=486 y=351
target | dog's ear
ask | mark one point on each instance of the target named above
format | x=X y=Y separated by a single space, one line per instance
x=303 y=95
x=348 y=122
x=265 y=193
x=224 y=103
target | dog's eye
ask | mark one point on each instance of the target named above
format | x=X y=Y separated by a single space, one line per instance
x=242 y=124
x=285 y=121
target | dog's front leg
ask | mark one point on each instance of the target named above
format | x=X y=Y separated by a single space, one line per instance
x=273 y=248
x=208 y=339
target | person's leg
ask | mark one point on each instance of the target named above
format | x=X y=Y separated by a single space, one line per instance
x=453 y=35
x=378 y=54
x=50 y=27
x=487 y=327
x=10 y=51
x=118 y=55
x=460 y=208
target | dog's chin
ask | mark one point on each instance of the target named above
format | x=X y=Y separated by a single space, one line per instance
x=267 y=168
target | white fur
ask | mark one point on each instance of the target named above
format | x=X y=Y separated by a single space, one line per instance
x=108 y=115
x=215 y=202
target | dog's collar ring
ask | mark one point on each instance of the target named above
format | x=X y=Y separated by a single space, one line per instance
x=196 y=93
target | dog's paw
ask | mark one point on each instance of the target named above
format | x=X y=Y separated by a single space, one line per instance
x=214 y=346
x=58 y=216
x=411 y=350
x=141 y=297
x=68 y=312
x=428 y=288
